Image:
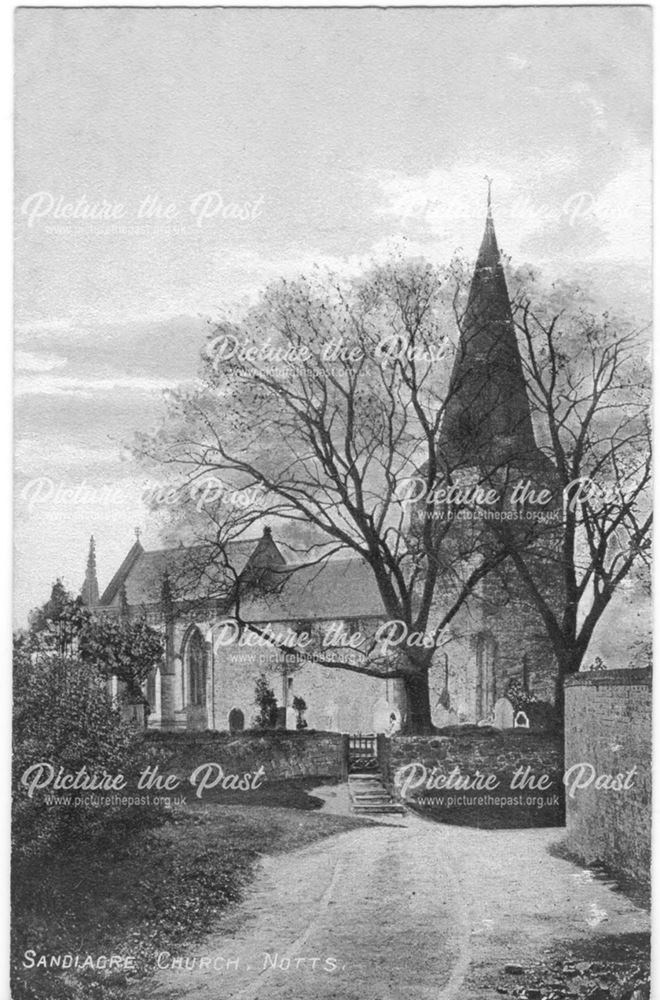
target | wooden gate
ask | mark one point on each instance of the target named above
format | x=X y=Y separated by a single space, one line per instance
x=362 y=753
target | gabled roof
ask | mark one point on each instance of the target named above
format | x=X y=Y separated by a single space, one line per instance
x=112 y=590
x=192 y=572
x=335 y=588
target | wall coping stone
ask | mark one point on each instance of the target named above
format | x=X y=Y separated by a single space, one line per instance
x=637 y=677
x=482 y=734
x=206 y=735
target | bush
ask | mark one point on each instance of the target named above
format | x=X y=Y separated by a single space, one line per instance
x=63 y=717
x=266 y=702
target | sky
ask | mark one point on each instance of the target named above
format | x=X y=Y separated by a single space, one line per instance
x=171 y=162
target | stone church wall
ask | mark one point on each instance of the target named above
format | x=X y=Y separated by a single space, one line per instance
x=515 y=632
x=504 y=622
x=337 y=700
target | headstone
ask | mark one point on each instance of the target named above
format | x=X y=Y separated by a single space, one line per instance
x=503 y=714
x=393 y=723
x=382 y=713
x=443 y=717
x=521 y=721
x=236 y=721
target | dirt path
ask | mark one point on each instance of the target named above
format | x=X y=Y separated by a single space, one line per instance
x=408 y=909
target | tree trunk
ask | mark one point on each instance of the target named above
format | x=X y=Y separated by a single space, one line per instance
x=568 y=663
x=419 y=704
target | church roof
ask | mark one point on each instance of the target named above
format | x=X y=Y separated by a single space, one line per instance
x=191 y=571
x=336 y=588
x=487 y=413
x=339 y=588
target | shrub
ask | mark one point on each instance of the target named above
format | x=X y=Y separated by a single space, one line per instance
x=266 y=702
x=63 y=716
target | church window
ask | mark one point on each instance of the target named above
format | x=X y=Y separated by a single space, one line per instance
x=485 y=687
x=196 y=669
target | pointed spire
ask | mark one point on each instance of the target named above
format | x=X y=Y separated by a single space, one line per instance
x=487 y=417
x=90 y=588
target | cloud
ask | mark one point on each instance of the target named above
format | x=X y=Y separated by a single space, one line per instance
x=44 y=325
x=247 y=271
x=56 y=385
x=27 y=361
x=540 y=209
x=52 y=452
x=447 y=206
x=623 y=210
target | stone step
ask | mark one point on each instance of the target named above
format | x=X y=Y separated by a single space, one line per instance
x=369 y=795
x=377 y=793
x=389 y=807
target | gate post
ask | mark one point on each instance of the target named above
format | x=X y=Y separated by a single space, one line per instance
x=344 y=756
x=383 y=751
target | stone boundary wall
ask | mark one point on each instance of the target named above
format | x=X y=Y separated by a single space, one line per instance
x=281 y=754
x=608 y=729
x=471 y=749
x=490 y=752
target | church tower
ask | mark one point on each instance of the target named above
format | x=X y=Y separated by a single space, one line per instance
x=498 y=642
x=90 y=588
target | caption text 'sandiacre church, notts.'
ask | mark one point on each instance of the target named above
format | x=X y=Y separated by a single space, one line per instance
x=497 y=643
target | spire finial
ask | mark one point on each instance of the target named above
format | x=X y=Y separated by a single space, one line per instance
x=138 y=532
x=90 y=589
x=489 y=181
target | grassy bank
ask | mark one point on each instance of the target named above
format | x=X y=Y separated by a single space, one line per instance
x=156 y=890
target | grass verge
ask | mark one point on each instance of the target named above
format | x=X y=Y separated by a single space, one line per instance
x=153 y=892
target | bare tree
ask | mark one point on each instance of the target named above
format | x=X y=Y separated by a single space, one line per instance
x=588 y=384
x=327 y=397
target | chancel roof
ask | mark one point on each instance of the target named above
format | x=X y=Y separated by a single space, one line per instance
x=331 y=589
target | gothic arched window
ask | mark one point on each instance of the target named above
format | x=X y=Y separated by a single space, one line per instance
x=196 y=669
x=485 y=688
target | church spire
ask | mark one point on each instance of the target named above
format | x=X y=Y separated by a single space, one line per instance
x=90 y=589
x=487 y=418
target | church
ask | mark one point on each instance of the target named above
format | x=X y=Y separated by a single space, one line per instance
x=497 y=643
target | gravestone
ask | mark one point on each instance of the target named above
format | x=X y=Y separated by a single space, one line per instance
x=236 y=721
x=521 y=721
x=382 y=713
x=503 y=714
x=443 y=717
